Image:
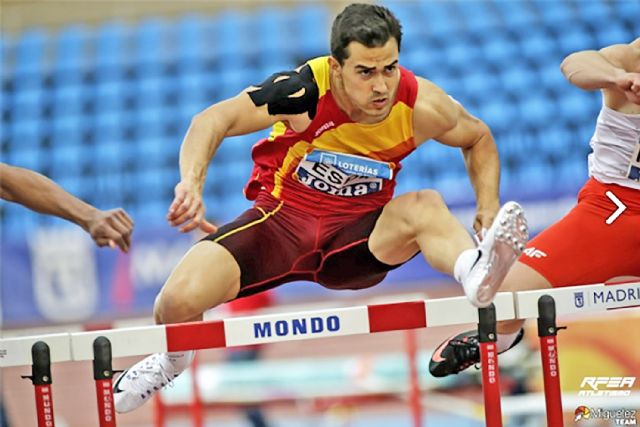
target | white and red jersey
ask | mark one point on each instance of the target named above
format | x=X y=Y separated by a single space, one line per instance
x=616 y=149
x=600 y=238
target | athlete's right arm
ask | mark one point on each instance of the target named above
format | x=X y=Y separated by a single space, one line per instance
x=280 y=97
x=613 y=67
x=231 y=117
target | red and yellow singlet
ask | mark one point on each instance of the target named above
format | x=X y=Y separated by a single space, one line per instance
x=336 y=164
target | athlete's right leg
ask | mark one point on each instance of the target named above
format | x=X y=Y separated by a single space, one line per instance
x=207 y=276
x=238 y=260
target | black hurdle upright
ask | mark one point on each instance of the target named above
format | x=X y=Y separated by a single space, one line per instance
x=41 y=379
x=103 y=376
x=547 y=332
x=489 y=362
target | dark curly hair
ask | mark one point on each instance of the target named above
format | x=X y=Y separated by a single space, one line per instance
x=367 y=24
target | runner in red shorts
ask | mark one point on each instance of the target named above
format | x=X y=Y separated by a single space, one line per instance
x=599 y=239
x=323 y=185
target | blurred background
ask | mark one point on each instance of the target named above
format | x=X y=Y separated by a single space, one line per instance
x=98 y=94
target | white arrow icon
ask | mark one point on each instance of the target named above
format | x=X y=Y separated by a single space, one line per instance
x=621 y=207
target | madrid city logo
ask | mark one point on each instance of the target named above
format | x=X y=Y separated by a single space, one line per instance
x=578 y=298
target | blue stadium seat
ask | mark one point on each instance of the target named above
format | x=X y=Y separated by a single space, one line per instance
x=556 y=13
x=19 y=221
x=27 y=103
x=478 y=16
x=499 y=50
x=536 y=110
x=228 y=207
x=29 y=157
x=450 y=84
x=151 y=212
x=152 y=90
x=571 y=175
x=552 y=78
x=532 y=179
x=233 y=39
x=152 y=51
x=439 y=18
x=232 y=81
x=69 y=160
x=538 y=46
x=515 y=15
x=149 y=184
x=79 y=187
x=555 y=141
x=152 y=120
x=68 y=129
x=113 y=155
x=109 y=186
x=110 y=95
x=272 y=37
x=576 y=105
x=458 y=51
x=518 y=80
x=72 y=55
x=421 y=61
x=614 y=33
x=627 y=10
x=480 y=84
x=193 y=43
x=31 y=49
x=574 y=39
x=156 y=152
x=112 y=50
x=7 y=45
x=311 y=23
x=416 y=35
x=499 y=113
x=26 y=133
x=192 y=86
x=595 y=11
x=68 y=99
x=110 y=126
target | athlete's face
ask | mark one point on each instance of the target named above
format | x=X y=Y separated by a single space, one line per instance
x=370 y=77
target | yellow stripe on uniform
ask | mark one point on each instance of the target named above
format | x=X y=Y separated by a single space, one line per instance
x=295 y=153
x=320 y=68
x=265 y=216
x=278 y=129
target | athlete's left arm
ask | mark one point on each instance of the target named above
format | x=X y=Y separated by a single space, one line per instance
x=438 y=116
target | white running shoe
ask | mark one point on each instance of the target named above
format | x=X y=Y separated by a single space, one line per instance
x=497 y=252
x=137 y=384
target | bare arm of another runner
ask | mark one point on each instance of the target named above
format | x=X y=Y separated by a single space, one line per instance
x=437 y=116
x=39 y=193
x=615 y=67
x=254 y=109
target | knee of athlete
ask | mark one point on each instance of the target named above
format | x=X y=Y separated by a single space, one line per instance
x=173 y=307
x=426 y=206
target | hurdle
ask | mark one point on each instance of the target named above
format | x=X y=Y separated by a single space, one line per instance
x=344 y=321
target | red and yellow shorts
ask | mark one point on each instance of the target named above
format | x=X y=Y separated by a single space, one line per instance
x=276 y=243
x=582 y=248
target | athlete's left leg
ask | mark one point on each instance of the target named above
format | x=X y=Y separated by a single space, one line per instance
x=421 y=221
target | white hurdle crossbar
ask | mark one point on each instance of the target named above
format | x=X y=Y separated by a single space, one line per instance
x=580 y=299
x=262 y=329
x=305 y=325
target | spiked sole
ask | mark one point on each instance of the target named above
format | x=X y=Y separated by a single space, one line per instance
x=510 y=237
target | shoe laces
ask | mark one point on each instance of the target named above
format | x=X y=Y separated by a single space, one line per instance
x=466 y=351
x=155 y=370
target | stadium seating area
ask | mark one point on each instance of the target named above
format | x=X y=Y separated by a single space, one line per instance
x=102 y=110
